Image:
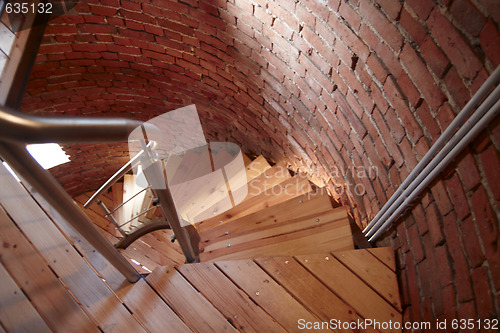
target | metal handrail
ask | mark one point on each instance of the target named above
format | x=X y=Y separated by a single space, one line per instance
x=19 y=129
x=138 y=215
x=128 y=200
x=23 y=128
x=117 y=176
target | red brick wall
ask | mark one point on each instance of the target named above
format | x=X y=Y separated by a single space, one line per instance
x=339 y=89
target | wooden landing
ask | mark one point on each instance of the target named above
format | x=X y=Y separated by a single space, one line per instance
x=279 y=294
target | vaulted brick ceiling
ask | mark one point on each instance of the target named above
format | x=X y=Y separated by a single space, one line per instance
x=326 y=85
x=335 y=88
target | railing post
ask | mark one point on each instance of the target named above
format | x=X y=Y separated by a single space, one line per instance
x=187 y=237
x=110 y=217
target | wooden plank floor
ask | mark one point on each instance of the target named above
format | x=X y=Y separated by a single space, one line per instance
x=53 y=280
x=273 y=294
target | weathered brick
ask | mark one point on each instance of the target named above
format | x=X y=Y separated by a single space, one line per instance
x=420 y=218
x=383 y=26
x=434 y=58
x=460 y=267
x=413 y=286
x=441 y=197
x=421 y=7
x=491 y=165
x=468 y=16
x=412 y=26
x=455 y=189
x=443 y=266
x=471 y=243
x=423 y=80
x=348 y=14
x=415 y=243
x=468 y=170
x=383 y=52
x=490 y=42
x=456 y=87
x=454 y=46
x=435 y=225
x=484 y=299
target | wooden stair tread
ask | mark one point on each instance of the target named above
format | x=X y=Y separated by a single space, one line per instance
x=171 y=165
x=269 y=178
x=325 y=237
x=304 y=205
x=96 y=214
x=117 y=195
x=257 y=167
x=194 y=182
x=385 y=257
x=279 y=228
x=133 y=207
x=303 y=285
x=160 y=241
x=193 y=165
x=288 y=189
x=246 y=159
x=266 y=293
x=220 y=190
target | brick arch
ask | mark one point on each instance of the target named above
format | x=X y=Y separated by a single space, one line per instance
x=353 y=92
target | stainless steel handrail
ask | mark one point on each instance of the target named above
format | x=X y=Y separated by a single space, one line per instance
x=18 y=129
x=117 y=176
x=23 y=128
x=127 y=201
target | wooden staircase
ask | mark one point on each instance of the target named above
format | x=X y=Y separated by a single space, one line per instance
x=282 y=258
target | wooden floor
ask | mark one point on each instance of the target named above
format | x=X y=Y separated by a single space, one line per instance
x=54 y=281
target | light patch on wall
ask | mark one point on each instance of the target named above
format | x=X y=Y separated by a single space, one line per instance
x=48 y=155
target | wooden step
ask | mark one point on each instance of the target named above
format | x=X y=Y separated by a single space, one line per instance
x=194 y=181
x=246 y=159
x=305 y=224
x=304 y=205
x=194 y=164
x=288 y=189
x=216 y=184
x=233 y=303
x=117 y=196
x=47 y=280
x=257 y=167
x=299 y=236
x=257 y=186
